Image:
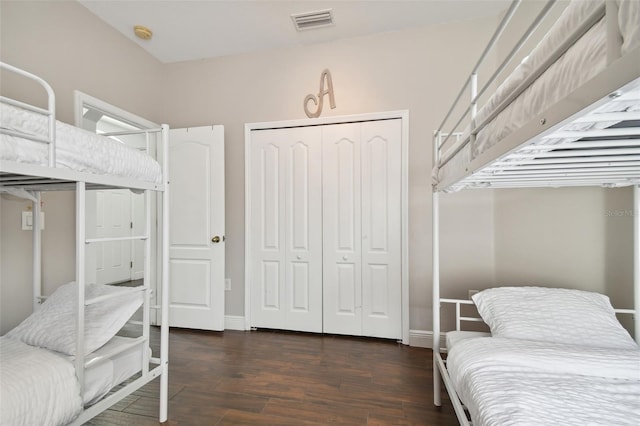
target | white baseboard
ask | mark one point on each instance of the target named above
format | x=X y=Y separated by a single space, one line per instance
x=417 y=338
x=424 y=339
x=232 y=322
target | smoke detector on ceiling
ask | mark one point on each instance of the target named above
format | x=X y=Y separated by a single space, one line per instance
x=312 y=20
x=142 y=32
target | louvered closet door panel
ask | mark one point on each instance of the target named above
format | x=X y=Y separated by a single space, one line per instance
x=286 y=234
x=381 y=228
x=341 y=224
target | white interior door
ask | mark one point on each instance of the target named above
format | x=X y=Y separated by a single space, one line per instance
x=362 y=228
x=286 y=229
x=342 y=282
x=381 y=228
x=197 y=228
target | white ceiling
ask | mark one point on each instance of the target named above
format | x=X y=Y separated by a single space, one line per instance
x=187 y=30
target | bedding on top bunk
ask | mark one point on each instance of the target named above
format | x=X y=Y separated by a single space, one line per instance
x=506 y=381
x=585 y=59
x=76 y=148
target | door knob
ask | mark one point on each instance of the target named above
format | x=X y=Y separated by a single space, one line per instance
x=215 y=239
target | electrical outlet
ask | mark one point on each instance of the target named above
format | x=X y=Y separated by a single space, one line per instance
x=227 y=284
x=472 y=292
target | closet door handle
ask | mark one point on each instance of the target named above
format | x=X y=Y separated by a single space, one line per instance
x=215 y=239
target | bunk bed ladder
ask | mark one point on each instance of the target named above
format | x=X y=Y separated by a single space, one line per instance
x=164 y=324
x=36 y=236
x=80 y=279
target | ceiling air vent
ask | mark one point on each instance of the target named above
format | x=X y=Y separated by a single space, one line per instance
x=312 y=20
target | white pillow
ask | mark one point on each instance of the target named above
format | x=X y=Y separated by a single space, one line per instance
x=53 y=326
x=552 y=315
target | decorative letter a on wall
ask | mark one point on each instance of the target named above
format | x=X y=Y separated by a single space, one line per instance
x=326 y=88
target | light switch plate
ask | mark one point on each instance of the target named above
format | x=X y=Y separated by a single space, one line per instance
x=27 y=220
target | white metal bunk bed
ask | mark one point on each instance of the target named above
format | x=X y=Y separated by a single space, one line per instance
x=40 y=154
x=549 y=124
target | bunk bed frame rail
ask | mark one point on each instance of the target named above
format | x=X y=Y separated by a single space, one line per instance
x=609 y=161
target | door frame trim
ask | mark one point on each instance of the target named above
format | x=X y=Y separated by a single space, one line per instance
x=403 y=115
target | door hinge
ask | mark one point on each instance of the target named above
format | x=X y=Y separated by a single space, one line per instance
x=131 y=264
x=131 y=225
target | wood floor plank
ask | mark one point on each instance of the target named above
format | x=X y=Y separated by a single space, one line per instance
x=317 y=413
x=240 y=418
x=286 y=378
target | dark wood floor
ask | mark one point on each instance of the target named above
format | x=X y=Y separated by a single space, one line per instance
x=284 y=378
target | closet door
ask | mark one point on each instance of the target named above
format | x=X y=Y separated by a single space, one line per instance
x=286 y=233
x=381 y=165
x=362 y=228
x=342 y=283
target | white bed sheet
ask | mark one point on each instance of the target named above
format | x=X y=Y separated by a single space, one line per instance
x=512 y=381
x=103 y=374
x=39 y=386
x=454 y=337
x=76 y=148
x=585 y=59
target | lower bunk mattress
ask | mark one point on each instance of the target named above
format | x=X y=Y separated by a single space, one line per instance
x=512 y=381
x=39 y=387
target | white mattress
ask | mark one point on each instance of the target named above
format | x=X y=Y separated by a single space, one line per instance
x=102 y=373
x=513 y=381
x=454 y=337
x=76 y=148
x=39 y=386
x=580 y=63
